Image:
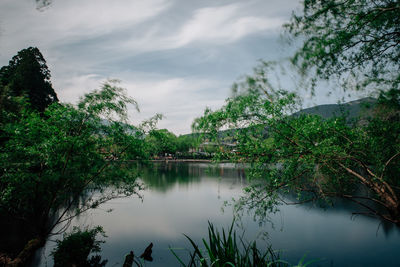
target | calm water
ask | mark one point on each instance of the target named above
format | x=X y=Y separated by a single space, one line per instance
x=181 y=198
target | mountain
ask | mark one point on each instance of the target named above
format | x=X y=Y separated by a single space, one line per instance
x=360 y=108
x=353 y=109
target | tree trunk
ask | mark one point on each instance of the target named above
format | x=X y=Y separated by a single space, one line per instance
x=25 y=255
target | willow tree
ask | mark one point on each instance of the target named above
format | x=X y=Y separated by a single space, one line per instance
x=316 y=159
x=59 y=163
x=354 y=41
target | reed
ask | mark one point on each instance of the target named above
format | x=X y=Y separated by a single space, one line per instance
x=225 y=249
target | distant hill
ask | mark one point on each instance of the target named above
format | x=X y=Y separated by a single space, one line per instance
x=352 y=109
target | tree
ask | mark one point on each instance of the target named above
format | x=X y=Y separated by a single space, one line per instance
x=187 y=142
x=317 y=159
x=161 y=142
x=357 y=41
x=58 y=164
x=28 y=75
x=184 y=143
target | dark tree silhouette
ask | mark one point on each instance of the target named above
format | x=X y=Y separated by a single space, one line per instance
x=28 y=75
x=41 y=4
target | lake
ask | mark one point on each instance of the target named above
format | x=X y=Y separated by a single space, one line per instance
x=180 y=198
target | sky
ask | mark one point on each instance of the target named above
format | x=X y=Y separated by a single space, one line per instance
x=174 y=57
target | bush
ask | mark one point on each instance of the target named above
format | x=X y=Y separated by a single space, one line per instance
x=76 y=246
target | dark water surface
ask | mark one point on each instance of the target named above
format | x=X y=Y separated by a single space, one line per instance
x=181 y=197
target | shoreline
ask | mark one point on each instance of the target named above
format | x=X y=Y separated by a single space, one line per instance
x=182 y=160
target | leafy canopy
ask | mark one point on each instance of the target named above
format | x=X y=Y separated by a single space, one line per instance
x=356 y=41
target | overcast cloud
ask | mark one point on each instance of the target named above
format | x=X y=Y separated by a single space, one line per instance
x=174 y=57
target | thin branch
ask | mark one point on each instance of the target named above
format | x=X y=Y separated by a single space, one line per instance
x=366 y=198
x=298 y=202
x=388 y=162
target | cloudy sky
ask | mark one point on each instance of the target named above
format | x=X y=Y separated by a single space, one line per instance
x=174 y=57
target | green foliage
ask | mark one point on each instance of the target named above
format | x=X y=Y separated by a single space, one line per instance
x=161 y=142
x=76 y=246
x=27 y=75
x=353 y=40
x=57 y=164
x=319 y=159
x=186 y=142
x=110 y=102
x=228 y=250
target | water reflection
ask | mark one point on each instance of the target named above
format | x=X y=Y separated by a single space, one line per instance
x=181 y=198
x=164 y=176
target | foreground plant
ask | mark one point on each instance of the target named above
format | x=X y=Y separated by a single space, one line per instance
x=228 y=250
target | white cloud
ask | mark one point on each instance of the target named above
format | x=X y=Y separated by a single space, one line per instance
x=179 y=99
x=210 y=25
x=86 y=42
x=76 y=86
x=223 y=24
x=70 y=21
x=100 y=17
